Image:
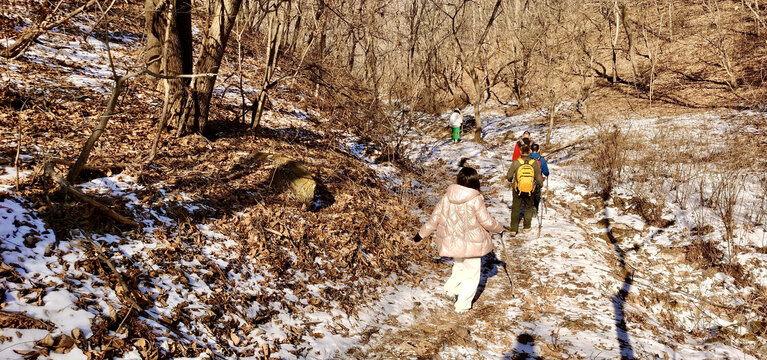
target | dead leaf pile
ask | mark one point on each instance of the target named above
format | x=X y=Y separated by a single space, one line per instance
x=239 y=253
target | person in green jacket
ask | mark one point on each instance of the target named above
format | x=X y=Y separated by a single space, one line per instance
x=523 y=187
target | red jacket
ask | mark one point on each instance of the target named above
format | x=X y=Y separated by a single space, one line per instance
x=517 y=153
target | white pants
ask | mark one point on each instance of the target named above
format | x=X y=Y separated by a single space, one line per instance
x=464 y=281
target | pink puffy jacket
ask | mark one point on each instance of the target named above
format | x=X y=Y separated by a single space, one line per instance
x=462 y=223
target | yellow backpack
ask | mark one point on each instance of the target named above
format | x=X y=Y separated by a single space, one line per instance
x=524 y=182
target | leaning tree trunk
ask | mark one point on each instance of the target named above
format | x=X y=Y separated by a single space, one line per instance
x=552 y=113
x=154 y=30
x=195 y=115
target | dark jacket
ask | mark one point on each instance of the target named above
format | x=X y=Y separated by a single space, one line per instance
x=512 y=173
x=542 y=160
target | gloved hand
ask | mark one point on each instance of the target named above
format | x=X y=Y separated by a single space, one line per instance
x=417 y=238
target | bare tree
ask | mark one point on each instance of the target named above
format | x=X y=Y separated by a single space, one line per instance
x=175 y=56
x=469 y=50
x=272 y=49
x=720 y=43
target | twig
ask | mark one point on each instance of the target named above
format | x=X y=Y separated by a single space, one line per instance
x=18 y=151
x=85 y=198
x=103 y=167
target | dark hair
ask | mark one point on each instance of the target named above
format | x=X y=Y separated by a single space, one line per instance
x=534 y=147
x=526 y=132
x=526 y=141
x=524 y=148
x=468 y=177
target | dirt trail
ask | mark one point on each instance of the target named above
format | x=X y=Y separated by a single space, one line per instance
x=555 y=278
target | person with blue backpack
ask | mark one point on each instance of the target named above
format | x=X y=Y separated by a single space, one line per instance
x=534 y=148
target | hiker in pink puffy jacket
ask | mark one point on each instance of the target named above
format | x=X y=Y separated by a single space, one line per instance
x=462 y=224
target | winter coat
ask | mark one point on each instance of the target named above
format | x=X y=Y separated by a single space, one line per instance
x=512 y=173
x=456 y=119
x=542 y=161
x=462 y=224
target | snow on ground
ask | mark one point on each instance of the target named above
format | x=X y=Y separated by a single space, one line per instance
x=575 y=295
x=84 y=60
x=569 y=294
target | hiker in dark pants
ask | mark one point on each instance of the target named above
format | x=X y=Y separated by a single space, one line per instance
x=524 y=175
x=544 y=171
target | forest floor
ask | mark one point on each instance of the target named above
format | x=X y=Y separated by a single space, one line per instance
x=225 y=264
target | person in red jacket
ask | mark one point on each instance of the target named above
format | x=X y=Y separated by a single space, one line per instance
x=526 y=140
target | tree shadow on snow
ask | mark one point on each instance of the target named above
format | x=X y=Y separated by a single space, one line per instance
x=619 y=299
x=524 y=350
x=489 y=269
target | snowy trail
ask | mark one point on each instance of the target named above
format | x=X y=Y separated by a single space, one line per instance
x=570 y=285
x=544 y=274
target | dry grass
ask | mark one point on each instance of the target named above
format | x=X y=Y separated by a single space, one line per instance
x=607 y=157
x=651 y=210
x=728 y=188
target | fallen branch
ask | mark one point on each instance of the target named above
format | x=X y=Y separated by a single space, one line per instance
x=100 y=254
x=574 y=142
x=85 y=198
x=103 y=168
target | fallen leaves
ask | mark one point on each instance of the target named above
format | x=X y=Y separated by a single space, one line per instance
x=22 y=321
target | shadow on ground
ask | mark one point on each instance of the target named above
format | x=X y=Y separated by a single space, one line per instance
x=490 y=265
x=524 y=349
x=619 y=299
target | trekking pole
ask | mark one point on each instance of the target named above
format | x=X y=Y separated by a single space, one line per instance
x=542 y=207
x=506 y=265
x=503 y=243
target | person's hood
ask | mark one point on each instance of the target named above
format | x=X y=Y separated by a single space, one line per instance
x=535 y=156
x=458 y=194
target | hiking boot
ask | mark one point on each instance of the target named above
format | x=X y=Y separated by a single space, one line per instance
x=527 y=230
x=513 y=234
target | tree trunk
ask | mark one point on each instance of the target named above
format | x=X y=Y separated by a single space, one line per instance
x=479 y=91
x=273 y=47
x=552 y=113
x=177 y=59
x=154 y=28
x=632 y=44
x=196 y=109
x=614 y=42
x=82 y=159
